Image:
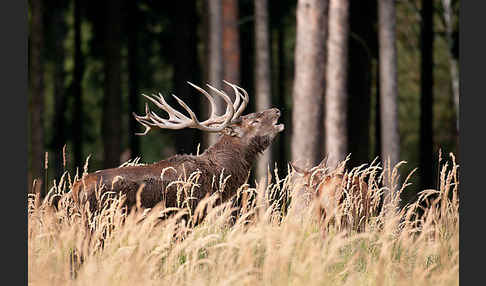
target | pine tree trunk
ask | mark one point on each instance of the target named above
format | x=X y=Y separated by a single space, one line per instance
x=231 y=45
x=282 y=142
x=453 y=61
x=390 y=140
x=215 y=60
x=309 y=82
x=336 y=92
x=133 y=78
x=426 y=97
x=186 y=69
x=60 y=95
x=111 y=129
x=377 y=115
x=263 y=82
x=77 y=89
x=362 y=17
x=36 y=96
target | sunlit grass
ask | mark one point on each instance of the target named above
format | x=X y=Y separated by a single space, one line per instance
x=262 y=243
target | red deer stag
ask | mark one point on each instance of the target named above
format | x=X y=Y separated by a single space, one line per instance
x=327 y=191
x=242 y=139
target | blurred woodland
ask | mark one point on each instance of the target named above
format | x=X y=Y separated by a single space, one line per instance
x=374 y=78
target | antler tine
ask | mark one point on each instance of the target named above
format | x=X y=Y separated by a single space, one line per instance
x=191 y=113
x=245 y=98
x=230 y=111
x=162 y=104
x=214 y=118
x=209 y=97
x=152 y=119
x=239 y=109
x=237 y=97
x=178 y=120
x=142 y=120
x=157 y=119
x=177 y=114
x=147 y=129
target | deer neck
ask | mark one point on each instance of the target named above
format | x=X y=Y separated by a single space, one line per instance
x=229 y=152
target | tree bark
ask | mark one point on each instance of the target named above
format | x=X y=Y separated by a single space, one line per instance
x=336 y=92
x=447 y=7
x=231 y=45
x=309 y=82
x=378 y=116
x=77 y=89
x=263 y=91
x=60 y=102
x=111 y=129
x=215 y=59
x=426 y=96
x=361 y=44
x=59 y=125
x=390 y=141
x=377 y=123
x=36 y=95
x=133 y=78
x=283 y=141
x=186 y=69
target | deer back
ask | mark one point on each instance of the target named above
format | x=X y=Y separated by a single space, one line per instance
x=189 y=178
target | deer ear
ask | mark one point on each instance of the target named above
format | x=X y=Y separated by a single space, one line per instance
x=341 y=168
x=298 y=170
x=323 y=163
x=230 y=131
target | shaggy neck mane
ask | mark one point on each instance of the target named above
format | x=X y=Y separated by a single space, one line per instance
x=230 y=150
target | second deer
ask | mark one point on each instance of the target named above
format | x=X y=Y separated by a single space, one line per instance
x=327 y=191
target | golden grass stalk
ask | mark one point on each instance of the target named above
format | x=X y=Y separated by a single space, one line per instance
x=259 y=243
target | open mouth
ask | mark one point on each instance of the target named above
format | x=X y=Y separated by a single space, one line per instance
x=280 y=127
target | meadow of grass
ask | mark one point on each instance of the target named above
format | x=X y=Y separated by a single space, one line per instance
x=261 y=244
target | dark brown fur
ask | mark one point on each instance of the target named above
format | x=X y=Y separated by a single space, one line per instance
x=232 y=156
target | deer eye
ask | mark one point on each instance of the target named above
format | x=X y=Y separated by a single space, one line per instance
x=254 y=122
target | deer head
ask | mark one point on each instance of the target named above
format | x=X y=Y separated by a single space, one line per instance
x=256 y=130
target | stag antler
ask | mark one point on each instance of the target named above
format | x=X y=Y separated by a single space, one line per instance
x=178 y=120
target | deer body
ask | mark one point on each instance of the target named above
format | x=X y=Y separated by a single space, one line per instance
x=330 y=194
x=326 y=192
x=242 y=140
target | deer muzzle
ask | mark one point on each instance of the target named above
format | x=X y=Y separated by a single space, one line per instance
x=276 y=116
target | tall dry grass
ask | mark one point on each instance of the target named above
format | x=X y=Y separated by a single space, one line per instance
x=262 y=243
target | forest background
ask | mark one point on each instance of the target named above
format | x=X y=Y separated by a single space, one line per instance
x=89 y=63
